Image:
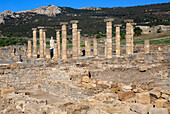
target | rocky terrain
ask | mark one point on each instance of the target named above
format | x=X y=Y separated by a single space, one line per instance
x=46 y=10
x=137 y=84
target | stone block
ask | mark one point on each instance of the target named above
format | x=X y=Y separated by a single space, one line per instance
x=125 y=95
x=159 y=103
x=126 y=88
x=143 y=98
x=139 y=108
x=165 y=96
x=166 y=92
x=85 y=79
x=158 y=111
x=5 y=91
x=116 y=90
x=155 y=93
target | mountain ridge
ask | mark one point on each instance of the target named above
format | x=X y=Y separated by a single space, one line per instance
x=90 y=20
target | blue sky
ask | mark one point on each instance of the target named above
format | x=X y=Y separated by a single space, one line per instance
x=21 y=5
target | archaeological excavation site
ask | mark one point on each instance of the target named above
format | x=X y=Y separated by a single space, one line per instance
x=101 y=77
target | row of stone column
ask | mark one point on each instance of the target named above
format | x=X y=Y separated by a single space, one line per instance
x=42 y=42
x=108 y=42
x=76 y=49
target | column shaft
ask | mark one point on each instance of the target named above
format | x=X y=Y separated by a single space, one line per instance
x=58 y=42
x=79 y=42
x=146 y=46
x=35 y=48
x=88 y=48
x=129 y=38
x=95 y=47
x=117 y=41
x=55 y=51
x=44 y=37
x=64 y=42
x=41 y=43
x=29 y=49
x=74 y=40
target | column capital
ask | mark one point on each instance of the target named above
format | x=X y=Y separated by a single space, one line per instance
x=118 y=25
x=40 y=27
x=109 y=20
x=128 y=20
x=74 y=21
x=34 y=29
x=63 y=23
x=57 y=30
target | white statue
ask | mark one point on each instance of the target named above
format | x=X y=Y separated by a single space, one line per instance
x=52 y=43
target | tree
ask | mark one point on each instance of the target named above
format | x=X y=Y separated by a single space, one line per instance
x=159 y=30
x=138 y=31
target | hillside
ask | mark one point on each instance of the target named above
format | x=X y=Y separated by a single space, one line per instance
x=90 y=18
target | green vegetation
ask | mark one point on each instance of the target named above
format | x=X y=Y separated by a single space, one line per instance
x=137 y=31
x=11 y=41
x=159 y=30
x=152 y=41
x=161 y=41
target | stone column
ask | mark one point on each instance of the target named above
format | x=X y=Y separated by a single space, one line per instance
x=79 y=42
x=109 y=37
x=35 y=48
x=12 y=52
x=55 y=51
x=58 y=41
x=95 y=47
x=48 y=54
x=105 y=49
x=44 y=38
x=88 y=48
x=118 y=39
x=74 y=39
x=146 y=46
x=64 y=40
x=29 y=51
x=129 y=36
x=41 y=40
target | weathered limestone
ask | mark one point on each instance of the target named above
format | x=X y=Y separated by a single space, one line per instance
x=79 y=41
x=41 y=42
x=109 y=37
x=55 y=51
x=48 y=54
x=118 y=39
x=5 y=91
x=88 y=48
x=125 y=95
x=74 y=39
x=44 y=36
x=29 y=53
x=64 y=40
x=105 y=49
x=139 y=108
x=159 y=103
x=35 y=48
x=95 y=47
x=143 y=98
x=158 y=111
x=146 y=46
x=12 y=52
x=129 y=36
x=58 y=41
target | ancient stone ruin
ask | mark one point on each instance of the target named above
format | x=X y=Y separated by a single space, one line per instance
x=100 y=78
